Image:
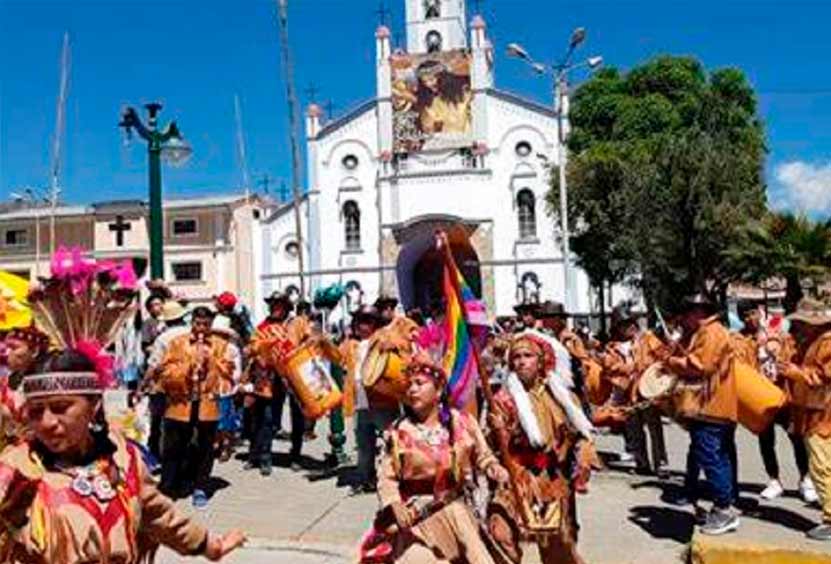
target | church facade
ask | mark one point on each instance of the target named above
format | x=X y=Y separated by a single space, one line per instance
x=439 y=147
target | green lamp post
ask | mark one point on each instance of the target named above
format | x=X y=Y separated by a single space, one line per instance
x=170 y=145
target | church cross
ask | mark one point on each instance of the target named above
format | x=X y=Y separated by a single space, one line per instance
x=311 y=92
x=264 y=182
x=383 y=13
x=330 y=110
x=119 y=227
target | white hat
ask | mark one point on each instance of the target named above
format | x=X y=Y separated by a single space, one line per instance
x=222 y=326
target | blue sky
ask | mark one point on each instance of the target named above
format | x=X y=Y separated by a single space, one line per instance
x=195 y=55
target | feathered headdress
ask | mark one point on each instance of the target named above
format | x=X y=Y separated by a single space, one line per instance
x=81 y=306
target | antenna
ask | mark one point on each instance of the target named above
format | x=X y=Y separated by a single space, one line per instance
x=243 y=161
x=60 y=122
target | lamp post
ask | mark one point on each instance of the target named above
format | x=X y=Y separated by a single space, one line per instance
x=170 y=145
x=559 y=73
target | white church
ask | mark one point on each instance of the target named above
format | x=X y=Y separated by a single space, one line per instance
x=439 y=147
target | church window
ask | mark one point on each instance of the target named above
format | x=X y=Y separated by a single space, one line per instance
x=433 y=41
x=190 y=271
x=523 y=149
x=352 y=225
x=526 y=214
x=292 y=250
x=350 y=162
x=529 y=288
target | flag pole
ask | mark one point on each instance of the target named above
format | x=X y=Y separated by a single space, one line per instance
x=511 y=466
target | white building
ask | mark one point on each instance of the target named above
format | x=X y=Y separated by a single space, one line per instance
x=378 y=190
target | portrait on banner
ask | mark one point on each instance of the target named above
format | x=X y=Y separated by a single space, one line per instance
x=431 y=98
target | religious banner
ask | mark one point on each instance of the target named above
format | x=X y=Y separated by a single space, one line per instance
x=431 y=100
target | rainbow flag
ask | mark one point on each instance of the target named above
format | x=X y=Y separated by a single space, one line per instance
x=460 y=360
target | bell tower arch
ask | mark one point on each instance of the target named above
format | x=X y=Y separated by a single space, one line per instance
x=435 y=25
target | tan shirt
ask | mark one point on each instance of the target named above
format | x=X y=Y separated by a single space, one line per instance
x=62 y=527
x=185 y=379
x=811 y=405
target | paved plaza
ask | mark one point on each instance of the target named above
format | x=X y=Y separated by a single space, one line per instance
x=309 y=516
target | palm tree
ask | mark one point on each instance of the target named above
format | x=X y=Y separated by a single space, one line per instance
x=785 y=245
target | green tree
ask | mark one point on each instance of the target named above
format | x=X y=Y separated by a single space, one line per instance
x=665 y=169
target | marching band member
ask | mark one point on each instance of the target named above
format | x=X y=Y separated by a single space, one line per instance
x=809 y=376
x=375 y=411
x=194 y=370
x=550 y=454
x=759 y=347
x=430 y=456
x=710 y=410
x=627 y=356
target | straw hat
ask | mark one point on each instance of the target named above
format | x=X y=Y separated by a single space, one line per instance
x=812 y=312
x=172 y=310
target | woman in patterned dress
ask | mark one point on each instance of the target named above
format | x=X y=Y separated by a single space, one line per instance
x=77 y=493
x=431 y=454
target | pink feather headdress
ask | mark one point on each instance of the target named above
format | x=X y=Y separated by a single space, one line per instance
x=81 y=306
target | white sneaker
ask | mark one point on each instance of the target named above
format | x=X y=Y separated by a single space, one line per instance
x=807 y=491
x=773 y=490
x=625 y=457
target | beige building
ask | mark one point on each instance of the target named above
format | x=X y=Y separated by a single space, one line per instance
x=208 y=240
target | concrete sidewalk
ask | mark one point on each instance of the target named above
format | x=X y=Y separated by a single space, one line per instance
x=308 y=516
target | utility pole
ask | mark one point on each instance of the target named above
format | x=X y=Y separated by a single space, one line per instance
x=57 y=147
x=243 y=161
x=294 y=124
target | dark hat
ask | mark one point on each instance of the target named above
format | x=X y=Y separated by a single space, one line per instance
x=279 y=297
x=384 y=302
x=528 y=307
x=699 y=301
x=366 y=313
x=303 y=307
x=549 y=309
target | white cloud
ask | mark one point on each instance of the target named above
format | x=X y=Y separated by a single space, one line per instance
x=804 y=186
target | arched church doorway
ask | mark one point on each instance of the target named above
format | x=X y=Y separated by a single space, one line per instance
x=419 y=268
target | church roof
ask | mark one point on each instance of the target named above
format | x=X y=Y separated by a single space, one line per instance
x=284 y=208
x=521 y=101
x=336 y=124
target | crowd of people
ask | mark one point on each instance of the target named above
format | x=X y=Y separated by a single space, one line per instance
x=456 y=483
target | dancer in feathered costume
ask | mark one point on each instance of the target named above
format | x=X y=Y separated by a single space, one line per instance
x=73 y=491
x=549 y=455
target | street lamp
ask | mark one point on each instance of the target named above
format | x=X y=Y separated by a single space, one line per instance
x=559 y=73
x=167 y=144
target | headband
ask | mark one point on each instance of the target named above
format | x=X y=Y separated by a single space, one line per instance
x=62 y=383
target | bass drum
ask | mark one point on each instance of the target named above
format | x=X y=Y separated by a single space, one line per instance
x=309 y=377
x=384 y=375
x=656 y=383
x=759 y=398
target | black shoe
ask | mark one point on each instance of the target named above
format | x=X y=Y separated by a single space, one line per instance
x=265 y=471
x=820 y=533
x=719 y=522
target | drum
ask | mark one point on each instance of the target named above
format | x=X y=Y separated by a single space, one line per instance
x=308 y=375
x=759 y=398
x=598 y=388
x=656 y=382
x=384 y=375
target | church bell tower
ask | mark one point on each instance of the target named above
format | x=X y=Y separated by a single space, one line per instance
x=435 y=25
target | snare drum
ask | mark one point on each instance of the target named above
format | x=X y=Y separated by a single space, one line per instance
x=656 y=382
x=308 y=375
